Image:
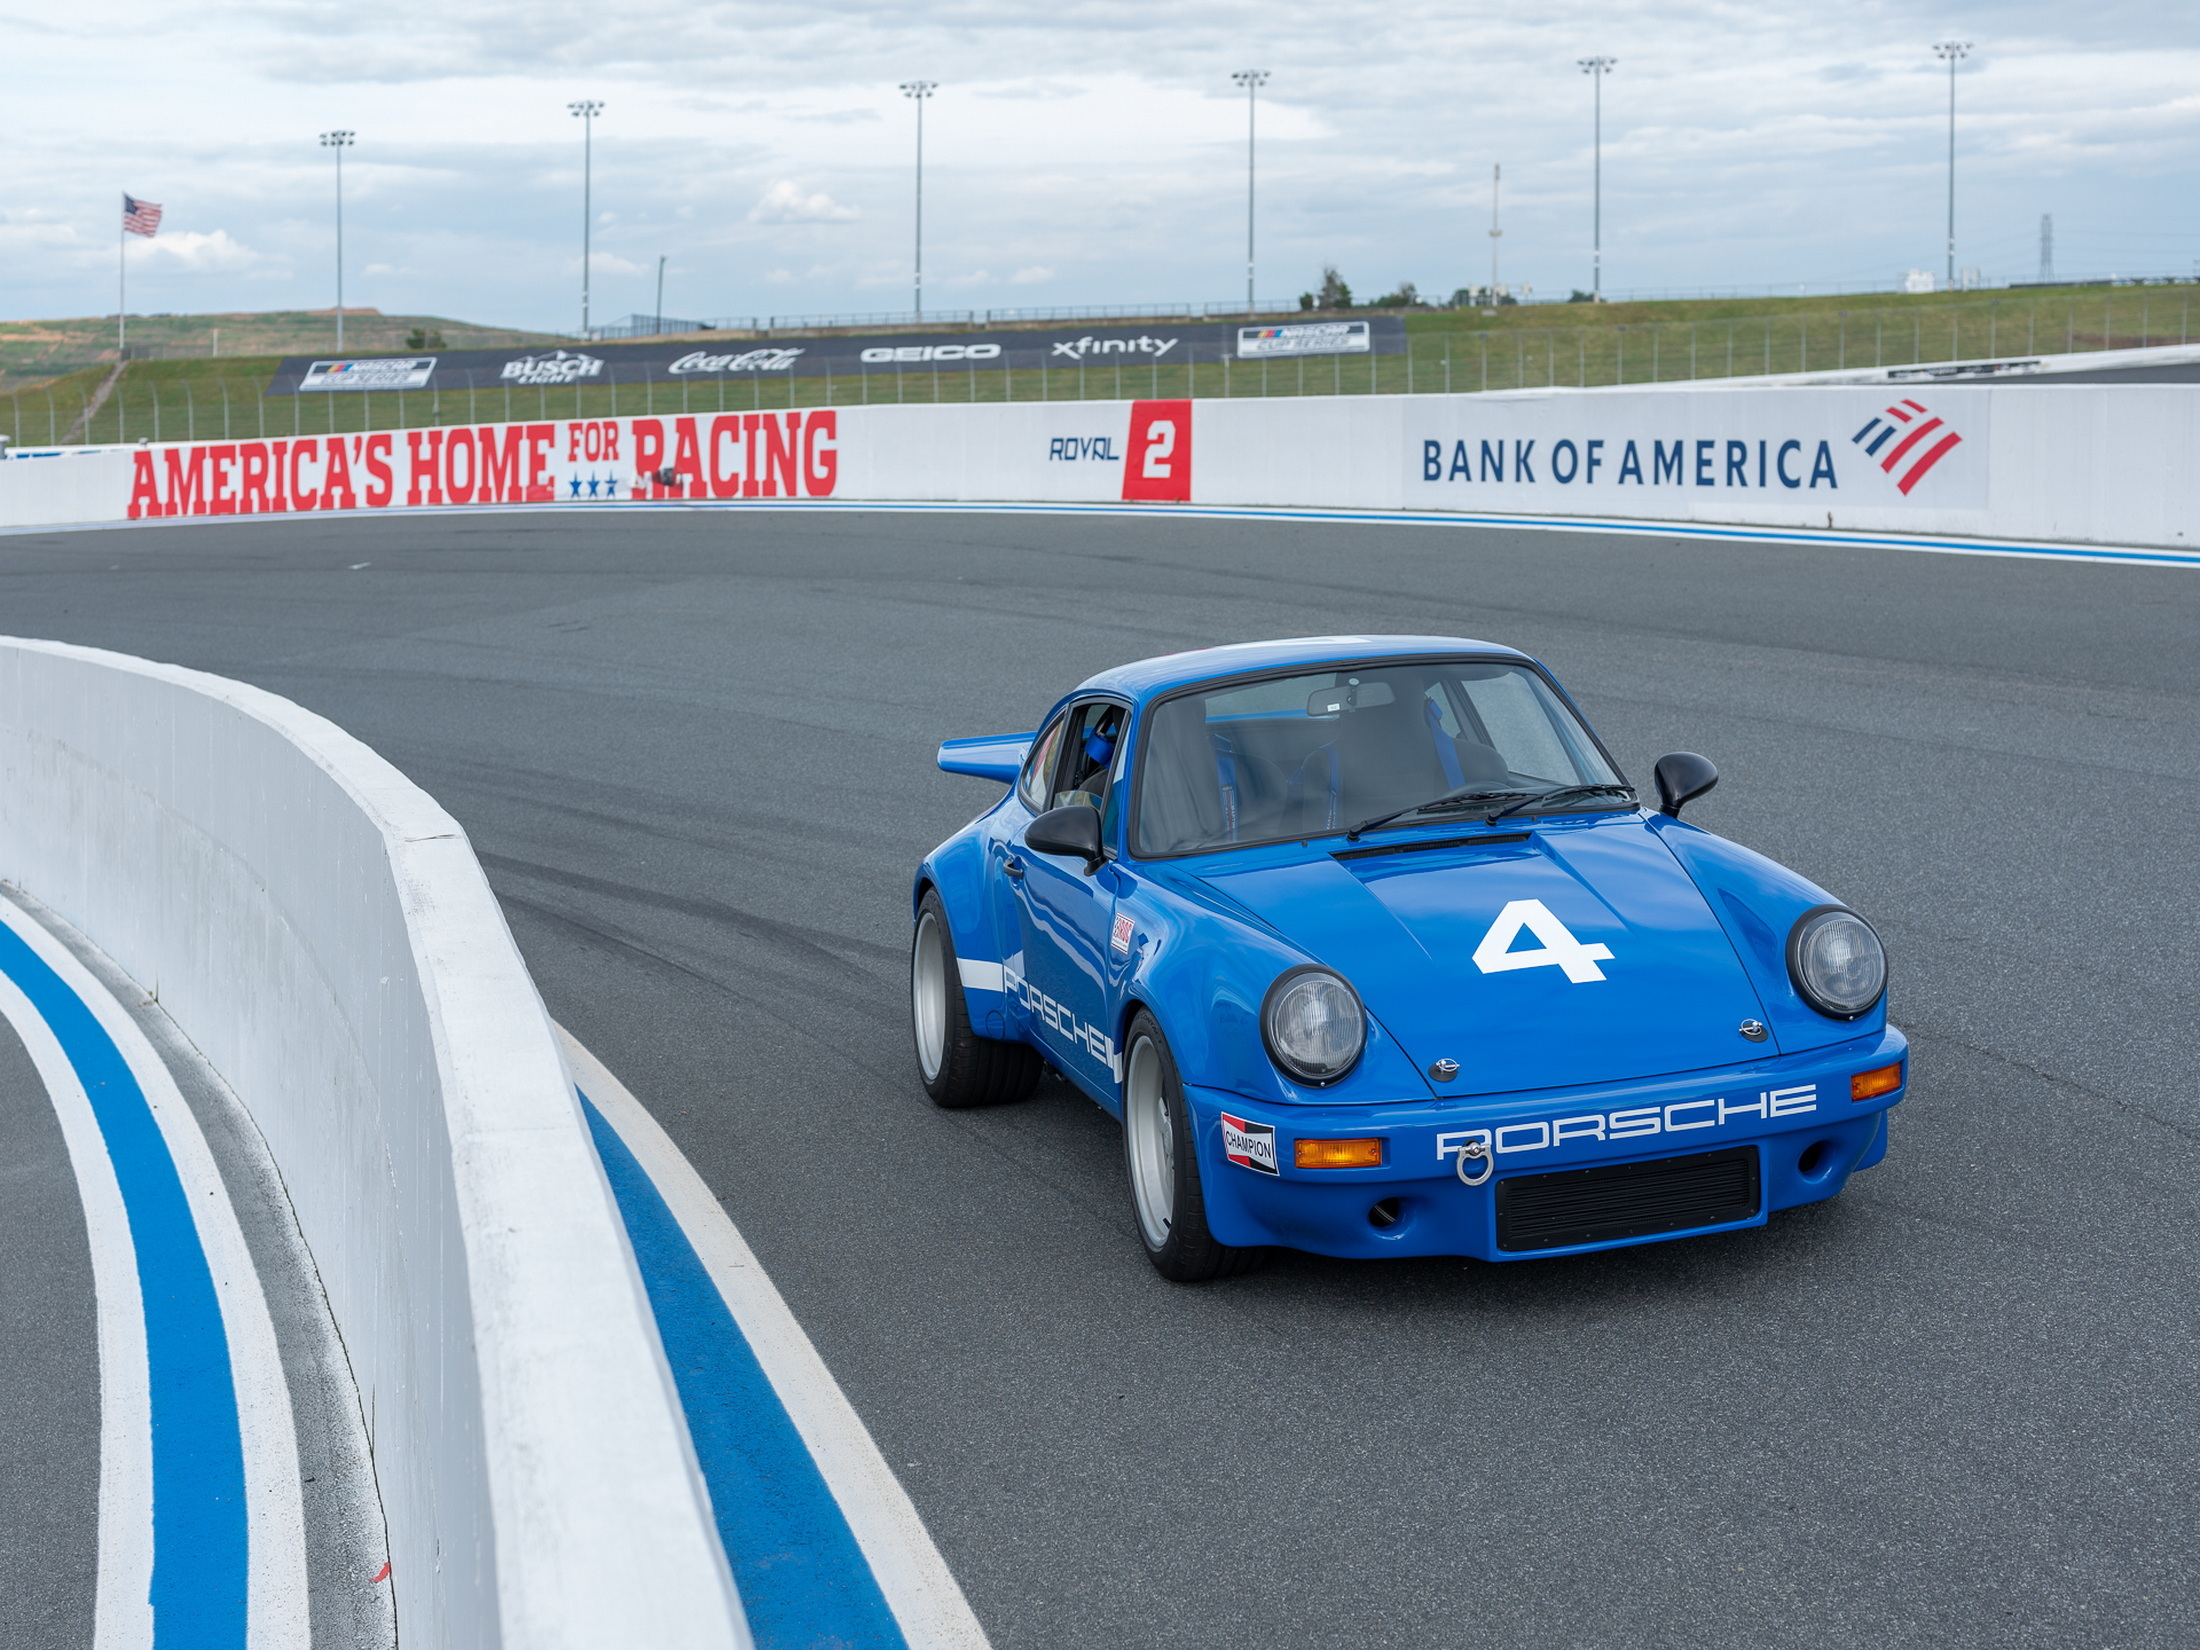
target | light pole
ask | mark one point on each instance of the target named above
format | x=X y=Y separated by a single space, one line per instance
x=1597 y=68
x=1497 y=176
x=920 y=90
x=1252 y=80
x=587 y=110
x=339 y=141
x=1952 y=52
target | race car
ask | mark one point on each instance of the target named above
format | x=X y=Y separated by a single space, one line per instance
x=1374 y=951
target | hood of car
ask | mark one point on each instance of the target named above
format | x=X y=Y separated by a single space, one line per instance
x=1540 y=959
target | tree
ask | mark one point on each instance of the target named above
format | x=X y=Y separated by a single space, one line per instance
x=1334 y=293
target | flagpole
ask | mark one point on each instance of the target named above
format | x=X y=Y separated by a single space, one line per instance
x=122 y=286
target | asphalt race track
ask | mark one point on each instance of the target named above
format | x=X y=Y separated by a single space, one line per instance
x=1956 y=1406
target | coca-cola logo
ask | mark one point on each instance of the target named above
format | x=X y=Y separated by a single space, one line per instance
x=755 y=360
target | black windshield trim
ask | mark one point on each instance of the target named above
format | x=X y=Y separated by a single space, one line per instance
x=1276 y=673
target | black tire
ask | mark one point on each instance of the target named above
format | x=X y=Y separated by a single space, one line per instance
x=1161 y=1164
x=958 y=1067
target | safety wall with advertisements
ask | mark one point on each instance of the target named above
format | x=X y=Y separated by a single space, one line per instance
x=2099 y=464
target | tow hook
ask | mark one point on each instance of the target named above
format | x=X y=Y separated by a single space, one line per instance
x=1479 y=1153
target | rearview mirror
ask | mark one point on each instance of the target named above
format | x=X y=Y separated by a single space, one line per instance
x=1682 y=777
x=1074 y=830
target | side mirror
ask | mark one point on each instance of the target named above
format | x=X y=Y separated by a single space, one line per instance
x=1074 y=831
x=1682 y=777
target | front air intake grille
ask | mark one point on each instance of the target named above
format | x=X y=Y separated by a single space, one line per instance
x=1626 y=1200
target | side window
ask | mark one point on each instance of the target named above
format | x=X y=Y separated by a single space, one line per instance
x=1038 y=775
x=1088 y=755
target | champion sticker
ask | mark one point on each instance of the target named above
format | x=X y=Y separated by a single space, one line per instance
x=1120 y=939
x=1249 y=1145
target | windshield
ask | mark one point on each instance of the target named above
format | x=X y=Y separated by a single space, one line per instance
x=1304 y=755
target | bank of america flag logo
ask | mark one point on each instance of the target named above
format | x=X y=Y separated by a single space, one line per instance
x=1915 y=440
x=140 y=217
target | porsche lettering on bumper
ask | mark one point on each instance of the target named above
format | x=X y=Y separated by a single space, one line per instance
x=1630 y=1123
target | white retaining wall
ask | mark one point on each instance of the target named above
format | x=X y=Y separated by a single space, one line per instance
x=320 y=929
x=2084 y=464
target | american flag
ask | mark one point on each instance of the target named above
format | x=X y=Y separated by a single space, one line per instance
x=140 y=217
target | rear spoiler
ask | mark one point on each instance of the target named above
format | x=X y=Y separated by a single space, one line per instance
x=1000 y=757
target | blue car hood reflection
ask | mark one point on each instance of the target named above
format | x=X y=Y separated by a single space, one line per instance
x=1404 y=929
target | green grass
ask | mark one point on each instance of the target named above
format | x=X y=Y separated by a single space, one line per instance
x=1449 y=350
x=33 y=352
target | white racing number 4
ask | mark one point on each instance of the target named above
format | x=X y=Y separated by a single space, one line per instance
x=1559 y=948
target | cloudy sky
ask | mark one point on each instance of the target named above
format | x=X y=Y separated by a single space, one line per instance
x=1077 y=152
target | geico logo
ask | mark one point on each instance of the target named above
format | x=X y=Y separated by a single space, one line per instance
x=1078 y=348
x=755 y=360
x=933 y=352
x=1071 y=448
x=1631 y=1123
x=1090 y=1038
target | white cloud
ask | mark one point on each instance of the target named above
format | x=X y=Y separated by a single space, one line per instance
x=784 y=202
x=201 y=251
x=1781 y=142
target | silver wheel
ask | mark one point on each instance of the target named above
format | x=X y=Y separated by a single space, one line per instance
x=928 y=995
x=1149 y=1130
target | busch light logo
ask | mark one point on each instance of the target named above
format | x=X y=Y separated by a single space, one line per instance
x=558 y=367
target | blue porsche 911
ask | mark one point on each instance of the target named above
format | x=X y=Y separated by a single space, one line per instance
x=1374 y=951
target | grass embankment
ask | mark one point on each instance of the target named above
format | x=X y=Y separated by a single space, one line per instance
x=1519 y=346
x=34 y=352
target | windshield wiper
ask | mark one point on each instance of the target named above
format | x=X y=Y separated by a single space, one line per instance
x=1463 y=796
x=1583 y=792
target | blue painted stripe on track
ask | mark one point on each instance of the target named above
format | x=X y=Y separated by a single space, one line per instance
x=803 y=1580
x=2034 y=549
x=200 y=1546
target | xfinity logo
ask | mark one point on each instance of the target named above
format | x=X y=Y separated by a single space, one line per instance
x=755 y=360
x=1078 y=348
x=558 y=367
x=1071 y=448
x=1631 y=1122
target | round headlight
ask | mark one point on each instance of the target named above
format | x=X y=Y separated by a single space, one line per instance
x=1313 y=1025
x=1836 y=962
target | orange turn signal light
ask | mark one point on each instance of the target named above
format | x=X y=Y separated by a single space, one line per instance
x=1339 y=1154
x=1870 y=1085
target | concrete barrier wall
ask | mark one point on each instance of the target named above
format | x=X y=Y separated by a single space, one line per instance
x=321 y=930
x=2083 y=464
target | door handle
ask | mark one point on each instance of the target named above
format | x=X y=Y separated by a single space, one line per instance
x=1014 y=867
